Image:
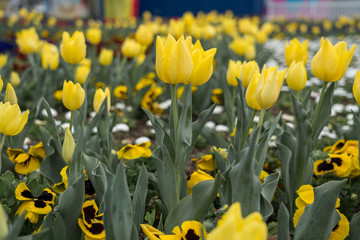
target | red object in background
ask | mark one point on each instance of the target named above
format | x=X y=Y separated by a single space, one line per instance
x=135 y=8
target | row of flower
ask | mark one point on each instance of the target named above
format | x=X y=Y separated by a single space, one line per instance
x=65 y=173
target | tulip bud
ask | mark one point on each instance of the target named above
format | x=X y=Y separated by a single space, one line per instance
x=250 y=52
x=268 y=88
x=10 y=95
x=239 y=46
x=173 y=60
x=3 y=223
x=296 y=76
x=233 y=72
x=73 y=50
x=81 y=74
x=68 y=146
x=3 y=60
x=99 y=97
x=73 y=95
x=93 y=35
x=14 y=79
x=144 y=35
x=203 y=64
x=250 y=94
x=50 y=57
x=248 y=70
x=130 y=48
x=356 y=87
x=106 y=56
x=296 y=51
x=331 y=62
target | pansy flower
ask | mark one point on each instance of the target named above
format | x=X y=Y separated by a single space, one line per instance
x=33 y=205
x=91 y=222
x=340 y=165
x=60 y=187
x=206 y=162
x=189 y=230
x=195 y=178
x=26 y=163
x=135 y=151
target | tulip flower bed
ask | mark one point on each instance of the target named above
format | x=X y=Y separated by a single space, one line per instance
x=205 y=127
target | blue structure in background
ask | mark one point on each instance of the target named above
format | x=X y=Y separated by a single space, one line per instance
x=168 y=8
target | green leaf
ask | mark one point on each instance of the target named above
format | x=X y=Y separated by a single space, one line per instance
x=196 y=205
x=69 y=208
x=139 y=198
x=283 y=220
x=59 y=228
x=122 y=217
x=15 y=229
x=354 y=226
x=213 y=138
x=199 y=124
x=323 y=207
x=267 y=193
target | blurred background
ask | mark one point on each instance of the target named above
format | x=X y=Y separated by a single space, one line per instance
x=101 y=9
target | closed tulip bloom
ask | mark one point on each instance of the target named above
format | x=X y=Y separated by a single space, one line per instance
x=250 y=52
x=99 y=97
x=28 y=41
x=239 y=46
x=144 y=35
x=296 y=76
x=12 y=121
x=250 y=94
x=68 y=146
x=296 y=51
x=93 y=35
x=233 y=72
x=173 y=60
x=10 y=95
x=130 y=48
x=106 y=56
x=3 y=60
x=331 y=62
x=1 y=83
x=248 y=70
x=73 y=50
x=203 y=64
x=268 y=88
x=50 y=57
x=73 y=95
x=81 y=74
x=14 y=79
x=176 y=28
x=356 y=87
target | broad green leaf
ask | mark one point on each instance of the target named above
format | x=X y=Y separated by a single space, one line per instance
x=354 y=226
x=16 y=227
x=213 y=138
x=59 y=228
x=323 y=207
x=199 y=124
x=196 y=205
x=139 y=198
x=283 y=220
x=267 y=193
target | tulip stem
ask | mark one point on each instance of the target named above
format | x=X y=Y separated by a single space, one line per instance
x=298 y=95
x=246 y=133
x=71 y=120
x=1 y=148
x=318 y=106
x=261 y=120
x=175 y=122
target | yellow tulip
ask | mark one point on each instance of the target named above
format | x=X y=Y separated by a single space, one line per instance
x=203 y=64
x=51 y=21
x=130 y=48
x=250 y=52
x=233 y=72
x=296 y=76
x=239 y=46
x=3 y=223
x=176 y=27
x=331 y=62
x=296 y=51
x=1 y=83
x=81 y=74
x=268 y=88
x=250 y=94
x=232 y=226
x=28 y=41
x=14 y=79
x=144 y=35
x=356 y=87
x=3 y=60
x=10 y=95
x=197 y=177
x=248 y=70
x=106 y=56
x=12 y=121
x=68 y=146
x=99 y=97
x=93 y=35
x=173 y=60
x=50 y=57
x=73 y=95
x=73 y=50
x=58 y=95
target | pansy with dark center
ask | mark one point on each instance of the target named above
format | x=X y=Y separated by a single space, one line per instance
x=91 y=223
